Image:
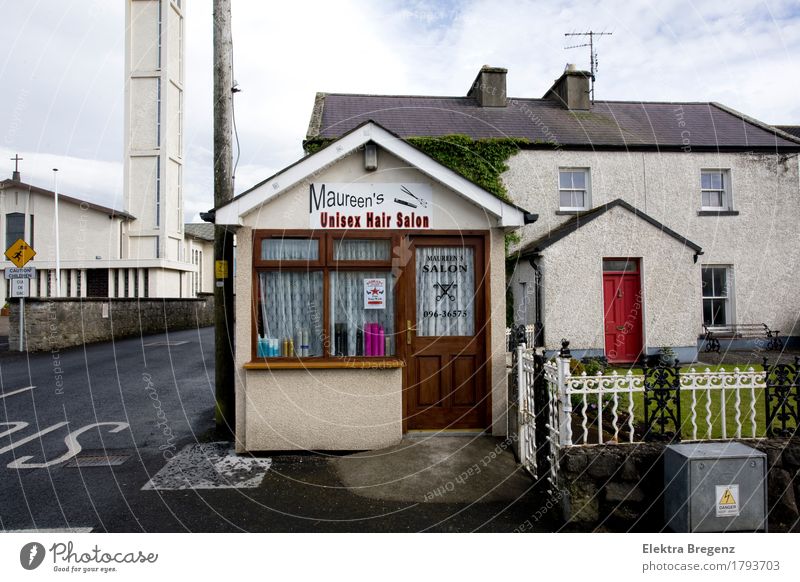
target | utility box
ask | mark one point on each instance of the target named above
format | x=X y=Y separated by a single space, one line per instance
x=715 y=487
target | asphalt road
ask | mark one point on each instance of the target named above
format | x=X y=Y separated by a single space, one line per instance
x=143 y=397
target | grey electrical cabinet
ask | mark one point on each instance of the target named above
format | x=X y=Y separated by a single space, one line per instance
x=715 y=487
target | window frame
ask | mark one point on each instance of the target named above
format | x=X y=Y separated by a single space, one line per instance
x=326 y=264
x=730 y=312
x=587 y=190
x=727 y=200
x=17 y=216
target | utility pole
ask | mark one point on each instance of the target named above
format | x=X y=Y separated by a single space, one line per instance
x=223 y=238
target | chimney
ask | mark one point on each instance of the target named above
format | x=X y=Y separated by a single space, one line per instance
x=571 y=89
x=489 y=87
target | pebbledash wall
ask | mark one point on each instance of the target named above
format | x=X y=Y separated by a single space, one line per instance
x=620 y=487
x=758 y=242
x=60 y=323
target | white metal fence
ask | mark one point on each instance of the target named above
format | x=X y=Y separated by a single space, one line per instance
x=714 y=404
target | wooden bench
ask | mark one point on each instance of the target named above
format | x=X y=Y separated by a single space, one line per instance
x=741 y=331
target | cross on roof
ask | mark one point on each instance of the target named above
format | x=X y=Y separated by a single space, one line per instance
x=16 y=159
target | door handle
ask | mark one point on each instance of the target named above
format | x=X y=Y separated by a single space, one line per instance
x=409 y=329
x=620 y=328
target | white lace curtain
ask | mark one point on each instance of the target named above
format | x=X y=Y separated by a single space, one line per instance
x=348 y=313
x=291 y=303
x=445 y=291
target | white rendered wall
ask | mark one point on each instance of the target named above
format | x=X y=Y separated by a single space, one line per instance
x=760 y=243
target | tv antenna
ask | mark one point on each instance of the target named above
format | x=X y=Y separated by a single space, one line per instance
x=592 y=53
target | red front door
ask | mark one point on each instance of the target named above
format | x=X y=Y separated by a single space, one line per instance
x=622 y=301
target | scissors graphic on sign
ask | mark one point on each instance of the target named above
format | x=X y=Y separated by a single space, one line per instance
x=445 y=289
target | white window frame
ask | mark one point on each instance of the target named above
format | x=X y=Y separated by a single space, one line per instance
x=727 y=198
x=729 y=298
x=587 y=198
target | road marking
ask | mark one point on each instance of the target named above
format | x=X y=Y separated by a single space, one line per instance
x=71 y=441
x=33 y=437
x=20 y=391
x=56 y=530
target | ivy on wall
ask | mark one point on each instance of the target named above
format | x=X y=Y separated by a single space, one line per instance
x=481 y=161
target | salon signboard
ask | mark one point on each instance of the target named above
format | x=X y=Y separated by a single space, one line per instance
x=363 y=206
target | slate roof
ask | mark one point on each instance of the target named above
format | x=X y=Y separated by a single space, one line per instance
x=608 y=125
x=201 y=230
x=65 y=198
x=790 y=129
x=584 y=218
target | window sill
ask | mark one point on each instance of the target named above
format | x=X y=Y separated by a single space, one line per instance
x=717 y=213
x=571 y=212
x=326 y=364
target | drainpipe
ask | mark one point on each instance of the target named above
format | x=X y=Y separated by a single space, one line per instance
x=538 y=327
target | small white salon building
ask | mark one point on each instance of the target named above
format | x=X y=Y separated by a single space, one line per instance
x=370 y=299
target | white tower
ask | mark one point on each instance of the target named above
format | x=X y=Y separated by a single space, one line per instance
x=153 y=173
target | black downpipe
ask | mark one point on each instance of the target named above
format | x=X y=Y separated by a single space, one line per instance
x=538 y=327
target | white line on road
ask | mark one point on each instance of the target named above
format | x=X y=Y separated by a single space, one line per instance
x=20 y=391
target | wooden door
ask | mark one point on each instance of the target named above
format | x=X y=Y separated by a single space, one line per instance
x=445 y=313
x=622 y=300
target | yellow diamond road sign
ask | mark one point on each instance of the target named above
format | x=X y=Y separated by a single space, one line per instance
x=20 y=253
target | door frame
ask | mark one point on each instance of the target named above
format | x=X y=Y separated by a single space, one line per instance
x=640 y=275
x=409 y=312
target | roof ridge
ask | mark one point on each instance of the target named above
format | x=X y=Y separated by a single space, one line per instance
x=67 y=197
x=757 y=122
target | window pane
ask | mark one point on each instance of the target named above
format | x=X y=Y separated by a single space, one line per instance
x=15 y=227
x=579 y=180
x=619 y=265
x=715 y=311
x=290 y=249
x=578 y=197
x=445 y=291
x=291 y=309
x=565 y=199
x=362 y=313
x=716 y=180
x=705 y=181
x=362 y=250
x=708 y=282
x=720 y=282
x=565 y=179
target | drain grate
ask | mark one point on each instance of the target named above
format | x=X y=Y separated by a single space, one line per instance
x=165 y=344
x=82 y=461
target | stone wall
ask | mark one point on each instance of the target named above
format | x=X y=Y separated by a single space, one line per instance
x=619 y=487
x=60 y=322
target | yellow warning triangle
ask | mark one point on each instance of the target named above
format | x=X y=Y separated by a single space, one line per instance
x=727 y=498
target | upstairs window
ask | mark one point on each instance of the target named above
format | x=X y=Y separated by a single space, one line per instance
x=715 y=191
x=574 y=189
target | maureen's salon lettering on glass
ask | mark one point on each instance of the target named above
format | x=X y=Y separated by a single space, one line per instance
x=445 y=291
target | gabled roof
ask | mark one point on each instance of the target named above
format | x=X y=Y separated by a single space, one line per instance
x=790 y=129
x=201 y=230
x=585 y=218
x=507 y=215
x=704 y=126
x=64 y=198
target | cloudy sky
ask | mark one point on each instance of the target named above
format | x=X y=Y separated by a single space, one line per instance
x=62 y=70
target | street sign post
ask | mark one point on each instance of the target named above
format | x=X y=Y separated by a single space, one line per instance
x=20 y=253
x=20 y=273
x=20 y=288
